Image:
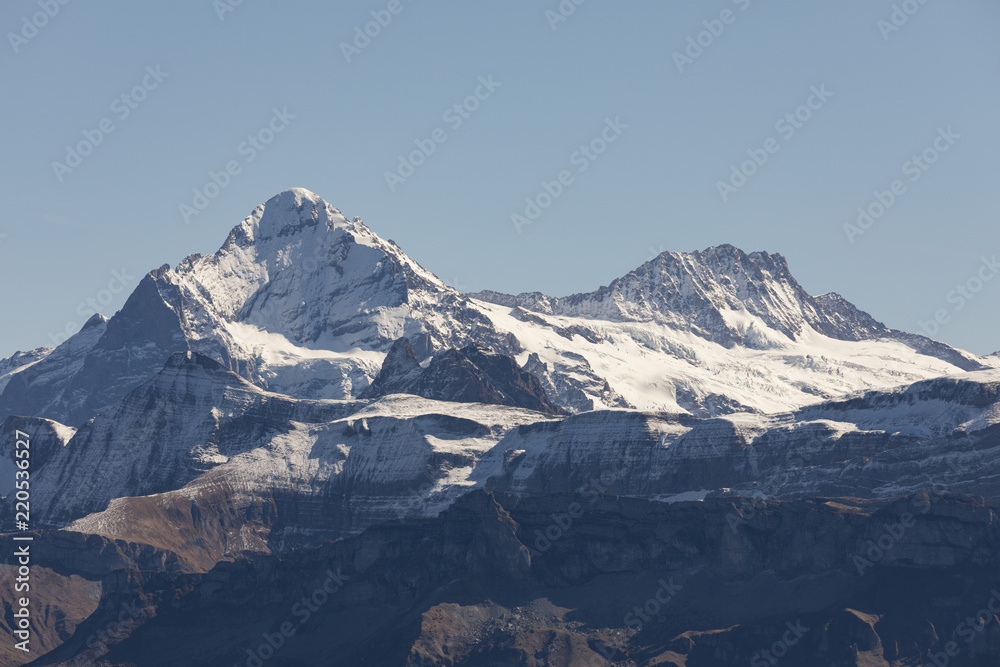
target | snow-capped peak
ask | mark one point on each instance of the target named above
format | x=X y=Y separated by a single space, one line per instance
x=297 y=282
x=304 y=301
x=720 y=293
x=287 y=215
x=298 y=267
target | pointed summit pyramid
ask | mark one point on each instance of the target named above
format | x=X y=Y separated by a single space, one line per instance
x=298 y=299
x=297 y=267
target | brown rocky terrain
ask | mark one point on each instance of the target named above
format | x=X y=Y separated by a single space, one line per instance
x=560 y=580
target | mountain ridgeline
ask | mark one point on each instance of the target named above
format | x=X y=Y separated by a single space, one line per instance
x=298 y=287
x=693 y=466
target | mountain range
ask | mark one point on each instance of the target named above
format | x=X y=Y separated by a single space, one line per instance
x=310 y=395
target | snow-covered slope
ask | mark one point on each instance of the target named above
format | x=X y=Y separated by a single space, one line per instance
x=712 y=332
x=45 y=437
x=296 y=471
x=326 y=466
x=57 y=379
x=20 y=361
x=653 y=366
x=935 y=435
x=724 y=295
x=298 y=268
x=720 y=294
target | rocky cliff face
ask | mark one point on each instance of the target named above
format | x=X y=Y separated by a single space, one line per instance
x=938 y=434
x=467 y=376
x=586 y=579
x=193 y=416
x=204 y=442
x=331 y=468
x=699 y=292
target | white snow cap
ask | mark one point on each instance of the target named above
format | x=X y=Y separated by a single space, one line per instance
x=295 y=209
x=300 y=195
x=288 y=213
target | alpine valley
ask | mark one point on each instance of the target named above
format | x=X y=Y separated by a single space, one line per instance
x=306 y=449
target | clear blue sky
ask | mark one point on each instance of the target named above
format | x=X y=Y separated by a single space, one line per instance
x=654 y=188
